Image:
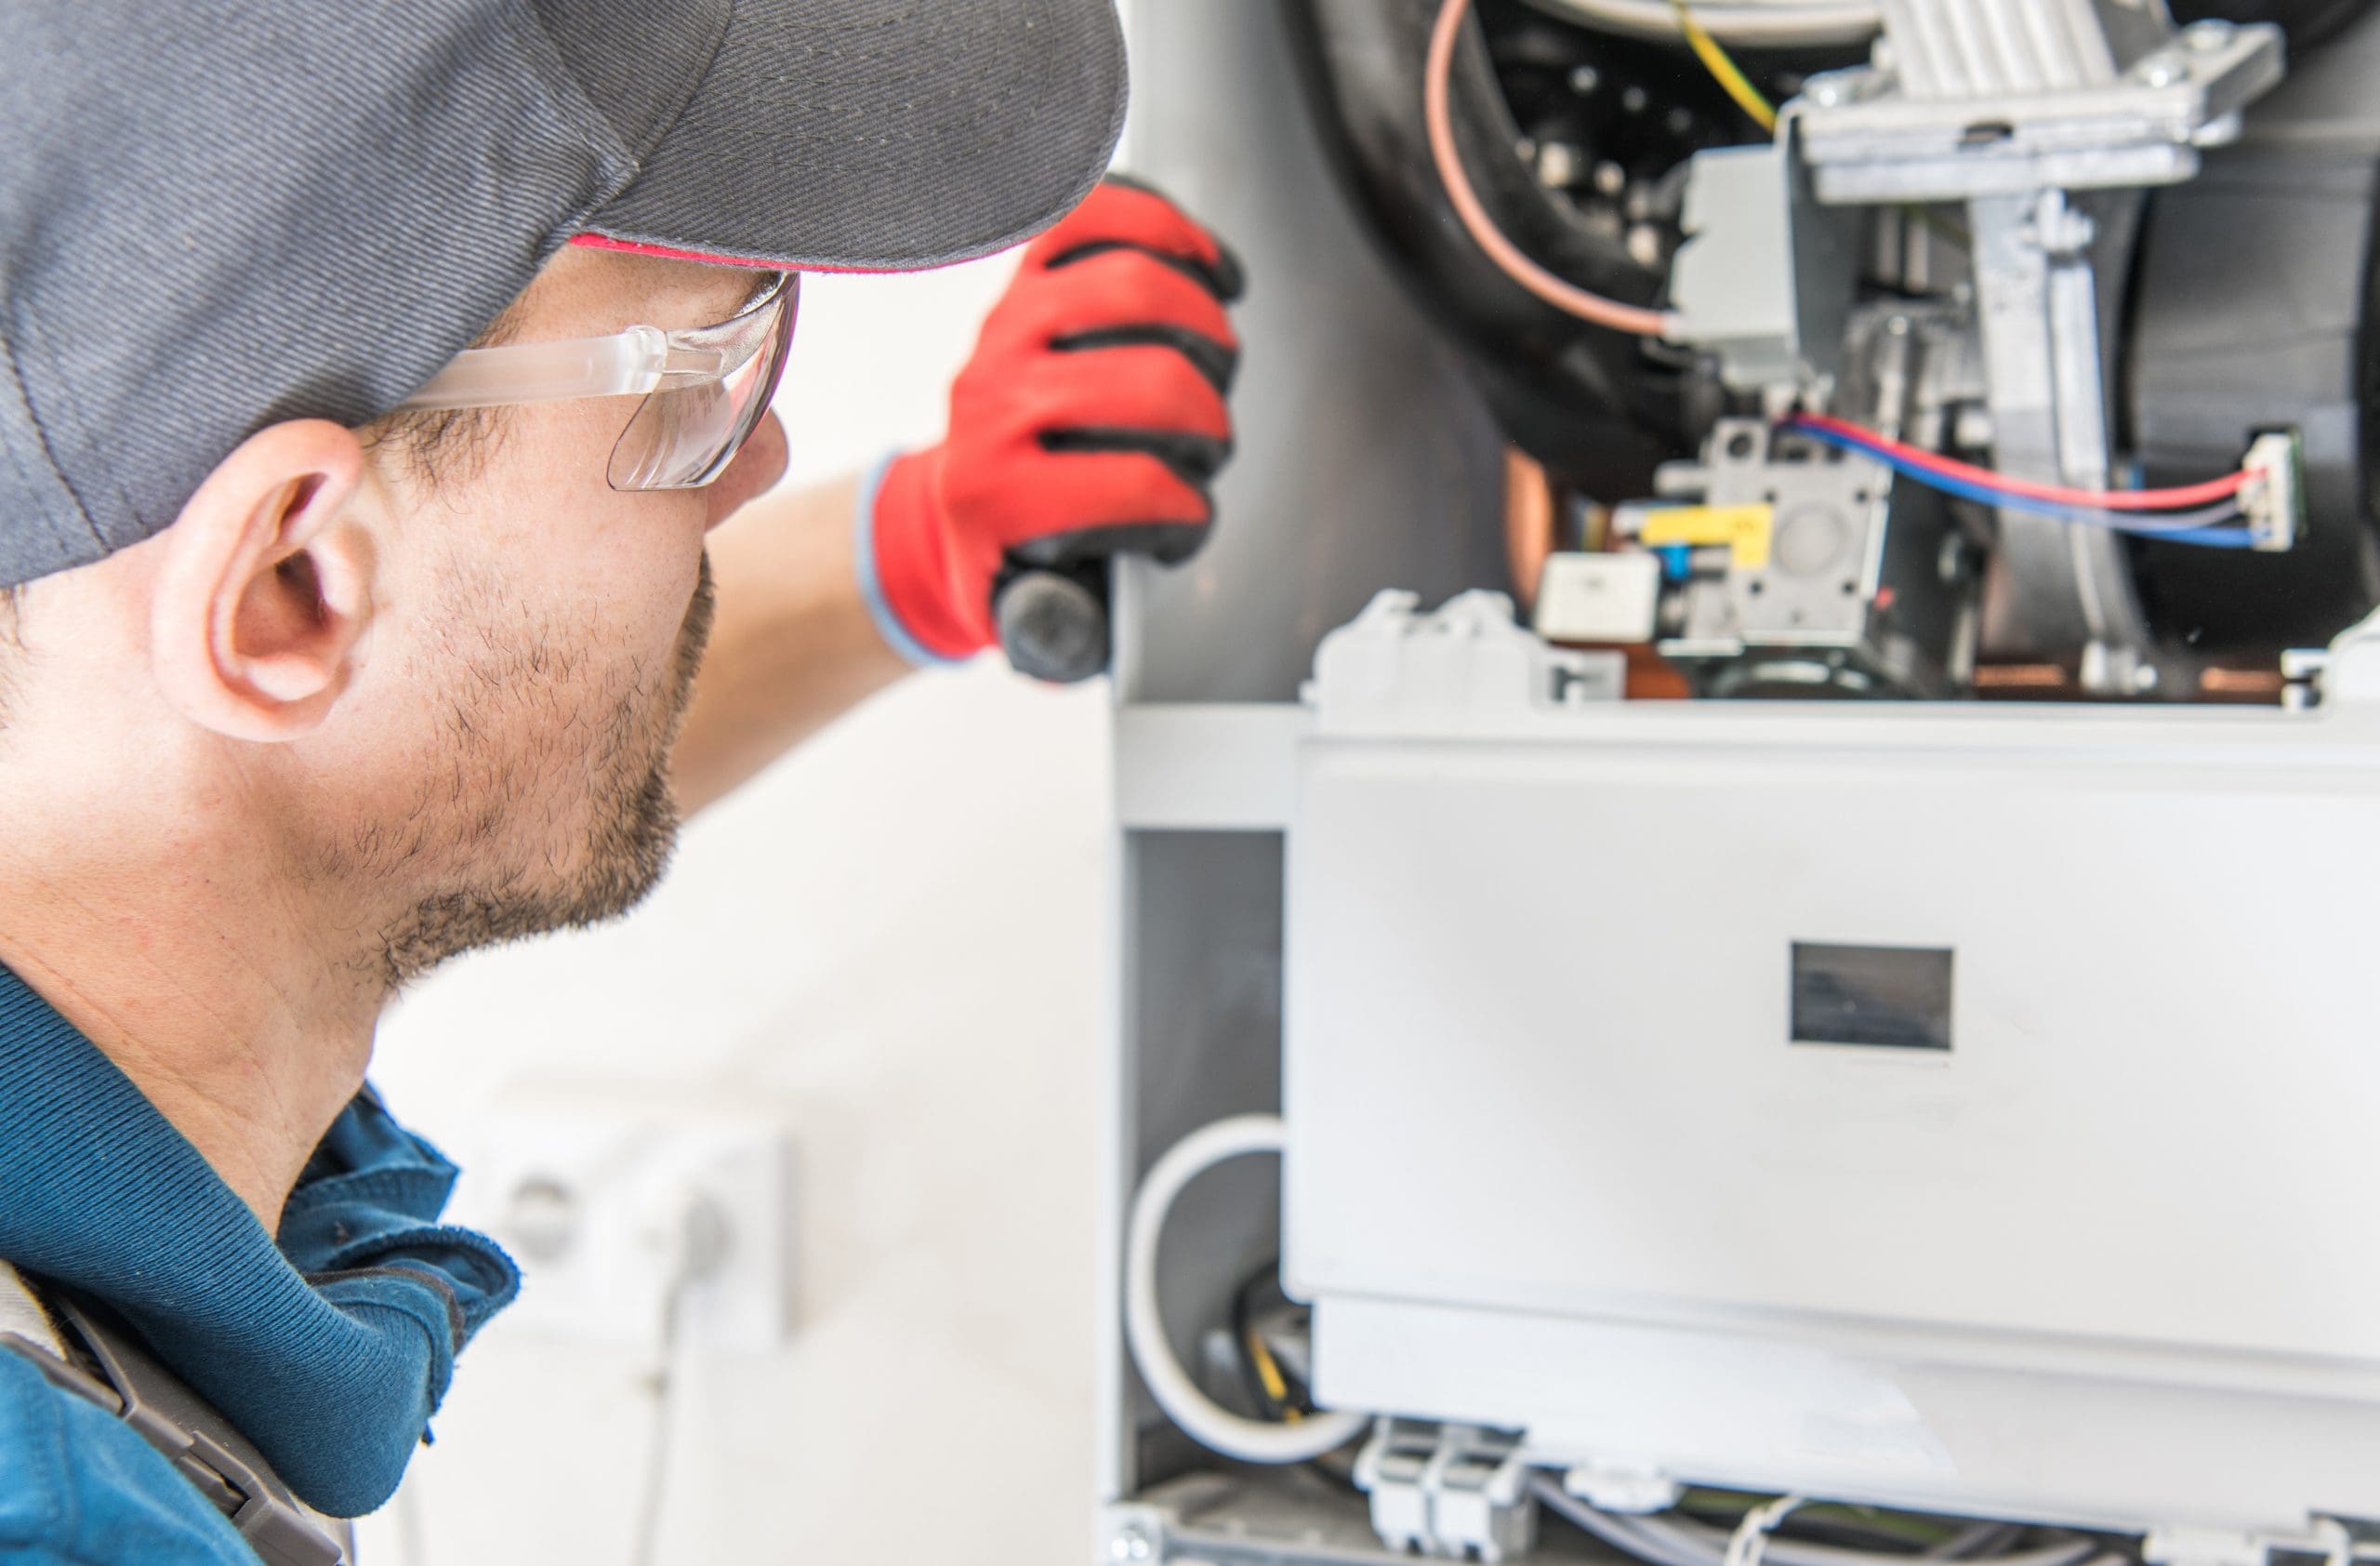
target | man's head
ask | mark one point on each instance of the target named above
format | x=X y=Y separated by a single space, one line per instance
x=420 y=672
x=431 y=668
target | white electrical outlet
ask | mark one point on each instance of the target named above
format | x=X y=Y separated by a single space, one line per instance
x=581 y=1197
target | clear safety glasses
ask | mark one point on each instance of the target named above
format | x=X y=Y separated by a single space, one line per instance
x=704 y=388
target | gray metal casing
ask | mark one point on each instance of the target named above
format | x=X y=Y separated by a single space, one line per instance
x=1359 y=439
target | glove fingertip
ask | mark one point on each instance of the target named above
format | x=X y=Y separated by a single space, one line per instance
x=1229 y=277
x=1182 y=543
x=1205 y=255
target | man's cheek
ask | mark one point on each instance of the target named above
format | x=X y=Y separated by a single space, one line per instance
x=754 y=473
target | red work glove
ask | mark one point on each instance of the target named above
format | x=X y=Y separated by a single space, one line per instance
x=1089 y=420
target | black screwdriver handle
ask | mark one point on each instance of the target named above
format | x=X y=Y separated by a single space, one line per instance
x=1053 y=622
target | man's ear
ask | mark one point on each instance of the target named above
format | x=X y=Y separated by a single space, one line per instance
x=262 y=590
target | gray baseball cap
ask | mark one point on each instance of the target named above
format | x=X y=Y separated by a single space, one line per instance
x=215 y=217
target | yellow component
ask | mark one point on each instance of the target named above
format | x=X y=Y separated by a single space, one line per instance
x=1268 y=1371
x=1743 y=529
x=1722 y=70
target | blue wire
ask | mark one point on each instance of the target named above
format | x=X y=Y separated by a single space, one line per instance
x=2208 y=537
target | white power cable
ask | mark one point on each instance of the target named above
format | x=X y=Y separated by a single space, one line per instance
x=1757 y=22
x=1203 y=1419
x=690 y=1232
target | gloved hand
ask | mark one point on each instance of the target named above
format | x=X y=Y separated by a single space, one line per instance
x=1089 y=420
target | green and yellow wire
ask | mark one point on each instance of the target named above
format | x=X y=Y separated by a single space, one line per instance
x=1724 y=69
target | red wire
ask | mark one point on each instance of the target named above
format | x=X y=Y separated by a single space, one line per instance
x=2100 y=500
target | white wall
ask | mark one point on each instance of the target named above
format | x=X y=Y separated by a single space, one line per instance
x=890 y=942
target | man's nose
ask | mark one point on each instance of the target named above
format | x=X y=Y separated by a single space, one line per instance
x=755 y=470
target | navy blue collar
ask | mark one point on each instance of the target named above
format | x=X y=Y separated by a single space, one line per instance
x=329 y=1348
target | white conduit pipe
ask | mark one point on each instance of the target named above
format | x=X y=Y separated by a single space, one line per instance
x=1203 y=1419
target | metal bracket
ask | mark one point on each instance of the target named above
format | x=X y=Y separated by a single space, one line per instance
x=1984 y=97
x=2061 y=590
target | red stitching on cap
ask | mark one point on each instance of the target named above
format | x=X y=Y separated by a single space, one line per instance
x=673 y=253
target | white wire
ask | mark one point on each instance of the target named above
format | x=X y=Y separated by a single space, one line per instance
x=1749 y=1540
x=645 y=1540
x=691 y=1234
x=1203 y=1419
x=1735 y=21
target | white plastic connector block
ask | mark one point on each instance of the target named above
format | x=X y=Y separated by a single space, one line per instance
x=591 y=1202
x=1613 y=1488
x=2274 y=501
x=2203 y=1546
x=1609 y=598
x=1465 y=668
x=1447 y=1491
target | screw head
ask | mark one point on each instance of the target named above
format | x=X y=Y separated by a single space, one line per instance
x=2160 y=72
x=1132 y=1543
x=2207 y=36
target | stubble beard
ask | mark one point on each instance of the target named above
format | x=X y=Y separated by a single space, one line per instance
x=631 y=817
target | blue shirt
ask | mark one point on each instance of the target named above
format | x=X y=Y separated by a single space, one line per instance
x=329 y=1344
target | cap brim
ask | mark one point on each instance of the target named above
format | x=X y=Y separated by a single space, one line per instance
x=880 y=135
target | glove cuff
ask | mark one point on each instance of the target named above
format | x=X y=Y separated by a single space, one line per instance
x=896 y=565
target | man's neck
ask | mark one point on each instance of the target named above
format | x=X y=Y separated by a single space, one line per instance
x=205 y=987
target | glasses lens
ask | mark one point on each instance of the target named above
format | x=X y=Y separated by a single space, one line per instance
x=683 y=437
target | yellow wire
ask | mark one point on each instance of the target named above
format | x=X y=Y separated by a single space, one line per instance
x=1722 y=70
x=1739 y=86
x=1268 y=1371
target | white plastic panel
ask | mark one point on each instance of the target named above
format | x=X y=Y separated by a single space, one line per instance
x=1538 y=1070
